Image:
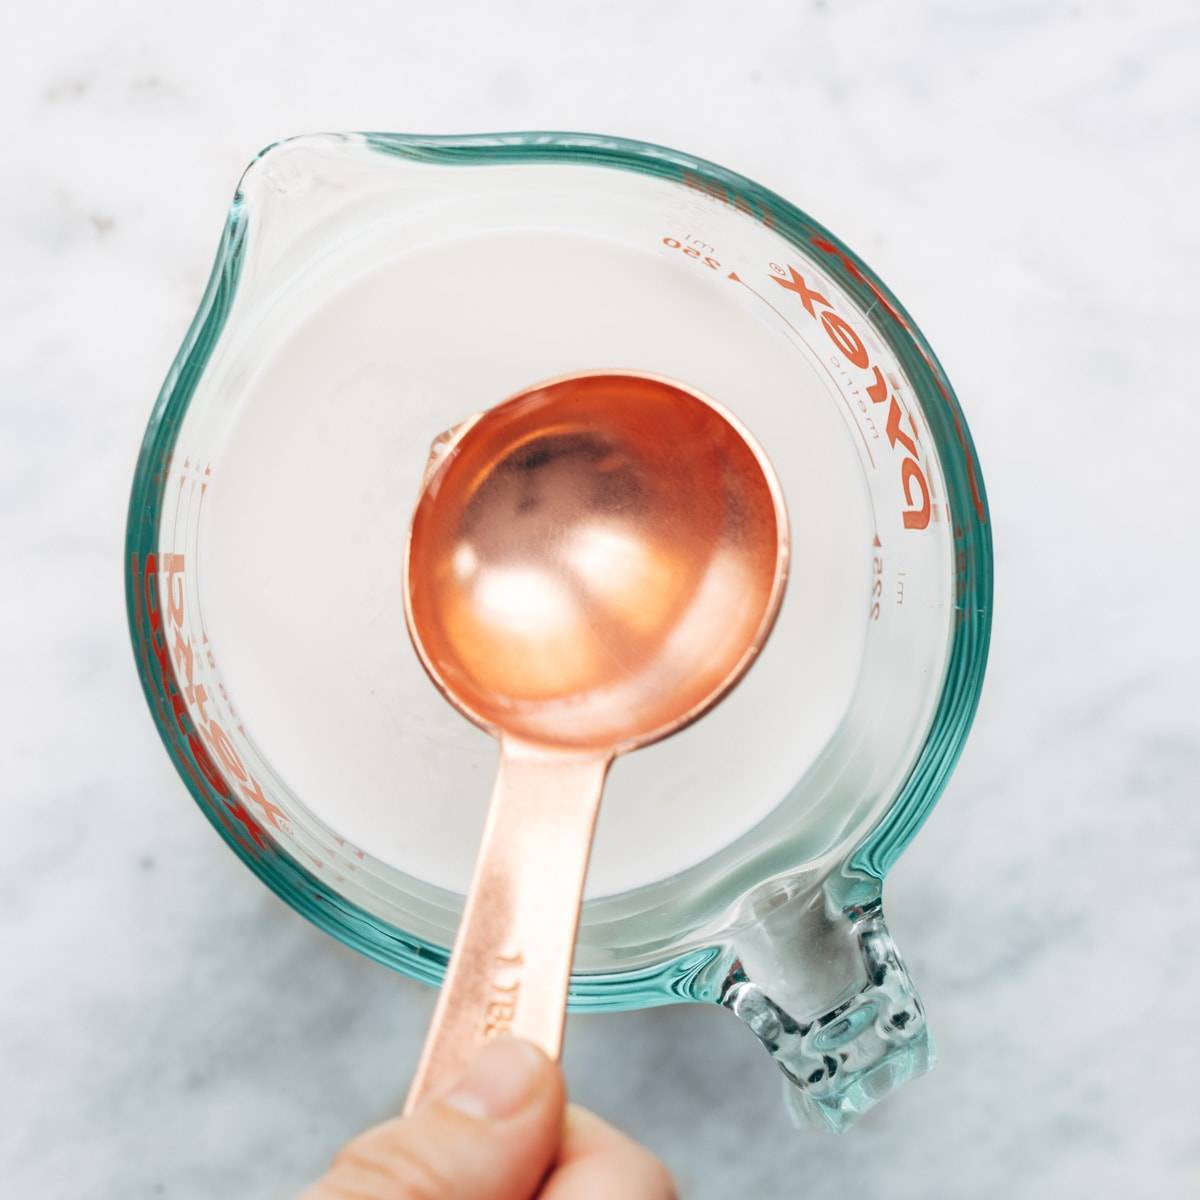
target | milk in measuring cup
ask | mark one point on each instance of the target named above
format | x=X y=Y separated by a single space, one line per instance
x=304 y=528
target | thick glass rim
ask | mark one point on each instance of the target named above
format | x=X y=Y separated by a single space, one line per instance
x=679 y=977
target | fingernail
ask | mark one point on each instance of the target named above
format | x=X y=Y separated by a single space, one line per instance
x=498 y=1082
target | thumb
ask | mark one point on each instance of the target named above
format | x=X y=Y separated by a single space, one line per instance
x=493 y=1136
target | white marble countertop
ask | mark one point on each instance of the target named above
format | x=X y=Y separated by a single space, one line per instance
x=1025 y=176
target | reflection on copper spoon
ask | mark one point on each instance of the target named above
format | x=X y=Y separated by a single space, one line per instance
x=591 y=566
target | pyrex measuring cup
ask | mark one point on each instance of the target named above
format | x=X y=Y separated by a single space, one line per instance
x=371 y=291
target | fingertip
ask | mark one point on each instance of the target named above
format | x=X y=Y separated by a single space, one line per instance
x=491 y=1136
x=505 y=1077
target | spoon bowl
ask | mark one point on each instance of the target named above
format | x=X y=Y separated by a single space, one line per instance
x=595 y=561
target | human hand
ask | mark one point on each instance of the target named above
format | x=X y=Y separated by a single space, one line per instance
x=503 y=1132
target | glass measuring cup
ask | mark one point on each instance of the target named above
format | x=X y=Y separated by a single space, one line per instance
x=375 y=282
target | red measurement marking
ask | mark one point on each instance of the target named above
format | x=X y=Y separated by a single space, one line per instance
x=241 y=814
x=216 y=741
x=192 y=756
x=693 y=249
x=731 y=197
x=199 y=518
x=845 y=400
x=964 y=445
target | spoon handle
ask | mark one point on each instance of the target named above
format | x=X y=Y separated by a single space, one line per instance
x=511 y=961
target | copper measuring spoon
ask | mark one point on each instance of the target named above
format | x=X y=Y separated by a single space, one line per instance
x=592 y=564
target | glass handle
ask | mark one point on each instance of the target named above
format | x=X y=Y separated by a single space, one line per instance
x=831 y=1000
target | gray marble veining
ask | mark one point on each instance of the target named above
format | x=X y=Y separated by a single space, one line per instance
x=1025 y=176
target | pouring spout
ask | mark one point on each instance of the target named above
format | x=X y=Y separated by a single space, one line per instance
x=832 y=1002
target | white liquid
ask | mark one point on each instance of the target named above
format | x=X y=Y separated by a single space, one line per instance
x=304 y=528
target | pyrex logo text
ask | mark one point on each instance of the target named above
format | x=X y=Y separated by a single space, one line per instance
x=912 y=478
